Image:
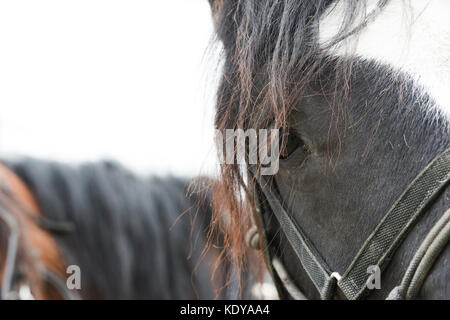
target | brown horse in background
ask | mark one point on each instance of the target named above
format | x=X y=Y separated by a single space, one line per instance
x=131 y=237
x=36 y=254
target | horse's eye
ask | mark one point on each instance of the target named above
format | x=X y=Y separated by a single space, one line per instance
x=292 y=143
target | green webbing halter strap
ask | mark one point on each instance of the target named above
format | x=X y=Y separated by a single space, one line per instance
x=380 y=245
x=311 y=262
x=392 y=229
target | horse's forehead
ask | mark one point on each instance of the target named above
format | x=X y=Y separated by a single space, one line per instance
x=409 y=36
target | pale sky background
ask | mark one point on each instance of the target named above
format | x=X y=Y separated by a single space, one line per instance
x=92 y=79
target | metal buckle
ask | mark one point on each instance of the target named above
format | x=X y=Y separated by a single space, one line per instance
x=336 y=276
x=252 y=239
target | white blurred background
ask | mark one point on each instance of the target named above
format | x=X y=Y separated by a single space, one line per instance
x=118 y=79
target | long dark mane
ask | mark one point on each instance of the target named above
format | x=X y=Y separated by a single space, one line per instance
x=133 y=238
x=271 y=56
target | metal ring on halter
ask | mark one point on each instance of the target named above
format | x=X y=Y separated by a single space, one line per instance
x=252 y=239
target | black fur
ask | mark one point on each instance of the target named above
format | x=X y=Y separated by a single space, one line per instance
x=129 y=238
x=368 y=129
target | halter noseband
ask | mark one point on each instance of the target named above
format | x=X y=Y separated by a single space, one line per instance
x=376 y=250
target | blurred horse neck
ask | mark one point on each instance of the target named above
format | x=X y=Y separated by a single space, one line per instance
x=37 y=250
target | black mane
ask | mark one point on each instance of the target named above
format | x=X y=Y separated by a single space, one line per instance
x=271 y=53
x=127 y=239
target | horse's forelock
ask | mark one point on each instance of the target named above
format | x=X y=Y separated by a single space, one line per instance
x=272 y=50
